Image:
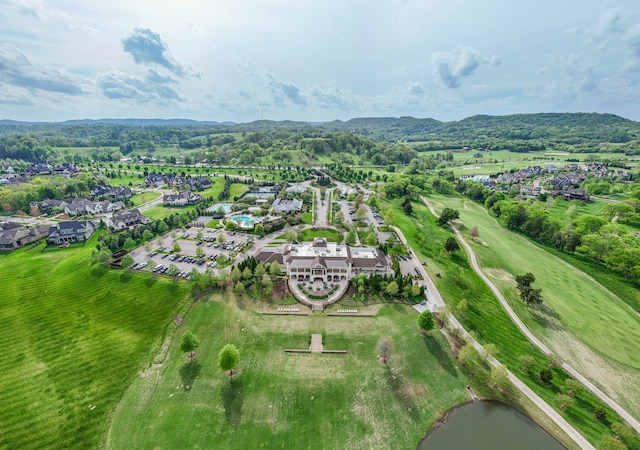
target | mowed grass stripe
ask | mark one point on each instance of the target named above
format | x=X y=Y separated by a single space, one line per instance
x=78 y=344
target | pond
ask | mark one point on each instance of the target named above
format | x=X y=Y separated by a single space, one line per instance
x=488 y=425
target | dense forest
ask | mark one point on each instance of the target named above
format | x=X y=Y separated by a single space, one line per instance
x=376 y=141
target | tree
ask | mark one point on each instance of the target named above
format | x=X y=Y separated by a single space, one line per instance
x=200 y=253
x=159 y=240
x=564 y=401
x=451 y=245
x=275 y=269
x=462 y=307
x=574 y=386
x=546 y=375
x=351 y=237
x=447 y=215
x=235 y=274
x=259 y=271
x=147 y=247
x=247 y=273
x=500 y=378
x=195 y=275
x=103 y=256
x=425 y=321
x=609 y=442
x=385 y=349
x=188 y=344
x=361 y=214
x=416 y=290
x=474 y=233
x=468 y=355
x=173 y=270
x=127 y=261
x=151 y=264
x=528 y=294
x=259 y=229
x=199 y=235
x=527 y=362
x=221 y=238
x=176 y=248
x=229 y=358
x=600 y=414
x=392 y=289
x=489 y=350
x=407 y=207
x=239 y=288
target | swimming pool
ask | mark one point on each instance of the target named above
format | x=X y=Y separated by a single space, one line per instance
x=246 y=221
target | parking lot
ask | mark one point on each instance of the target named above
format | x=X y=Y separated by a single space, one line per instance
x=186 y=259
x=408 y=266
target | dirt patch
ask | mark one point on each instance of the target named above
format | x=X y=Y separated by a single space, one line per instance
x=413 y=391
x=280 y=289
x=500 y=275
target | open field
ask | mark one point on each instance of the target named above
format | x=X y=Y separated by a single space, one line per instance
x=75 y=335
x=329 y=234
x=145 y=197
x=488 y=320
x=282 y=400
x=160 y=212
x=586 y=324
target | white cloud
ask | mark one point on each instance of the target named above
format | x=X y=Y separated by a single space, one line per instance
x=451 y=66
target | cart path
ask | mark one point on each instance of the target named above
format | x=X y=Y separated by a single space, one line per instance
x=434 y=294
x=534 y=340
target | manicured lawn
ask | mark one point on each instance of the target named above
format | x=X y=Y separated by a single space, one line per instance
x=145 y=197
x=487 y=319
x=329 y=234
x=307 y=217
x=297 y=401
x=237 y=190
x=213 y=223
x=74 y=335
x=160 y=212
x=583 y=306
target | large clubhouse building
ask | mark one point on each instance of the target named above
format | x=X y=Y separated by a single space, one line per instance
x=325 y=261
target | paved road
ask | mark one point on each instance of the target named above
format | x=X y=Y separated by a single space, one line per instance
x=434 y=296
x=534 y=340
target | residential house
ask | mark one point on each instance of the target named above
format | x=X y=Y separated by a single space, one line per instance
x=572 y=194
x=181 y=199
x=198 y=183
x=530 y=191
x=111 y=192
x=128 y=219
x=161 y=179
x=41 y=168
x=15 y=235
x=71 y=231
x=66 y=169
x=297 y=189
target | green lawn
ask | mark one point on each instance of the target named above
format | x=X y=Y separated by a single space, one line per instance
x=297 y=401
x=576 y=303
x=75 y=335
x=487 y=319
x=160 y=212
x=329 y=234
x=144 y=197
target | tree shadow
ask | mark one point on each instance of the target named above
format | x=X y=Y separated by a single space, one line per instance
x=546 y=317
x=188 y=372
x=397 y=385
x=232 y=396
x=173 y=286
x=442 y=355
x=150 y=281
x=126 y=276
x=99 y=270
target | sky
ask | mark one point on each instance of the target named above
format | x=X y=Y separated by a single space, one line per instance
x=312 y=60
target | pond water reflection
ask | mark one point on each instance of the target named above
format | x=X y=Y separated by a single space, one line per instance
x=488 y=425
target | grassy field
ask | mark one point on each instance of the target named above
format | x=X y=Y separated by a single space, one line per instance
x=579 y=310
x=282 y=400
x=160 y=212
x=75 y=335
x=487 y=319
x=329 y=234
x=145 y=197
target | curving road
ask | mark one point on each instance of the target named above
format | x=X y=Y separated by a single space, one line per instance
x=534 y=340
x=434 y=295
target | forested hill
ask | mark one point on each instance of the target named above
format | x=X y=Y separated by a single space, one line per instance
x=581 y=132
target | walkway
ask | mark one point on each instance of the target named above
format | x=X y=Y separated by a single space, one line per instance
x=534 y=340
x=434 y=296
x=316 y=343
